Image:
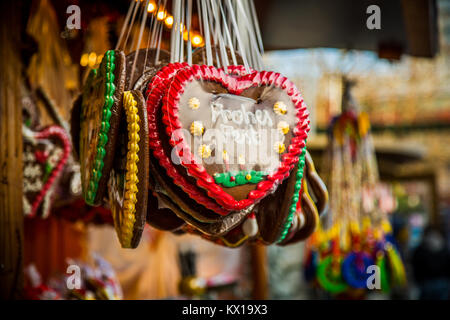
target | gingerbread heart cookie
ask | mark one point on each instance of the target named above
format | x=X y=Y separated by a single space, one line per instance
x=190 y=192
x=218 y=124
x=101 y=108
x=128 y=183
x=44 y=155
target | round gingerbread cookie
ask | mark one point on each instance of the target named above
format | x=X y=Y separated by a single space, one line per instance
x=128 y=184
x=99 y=122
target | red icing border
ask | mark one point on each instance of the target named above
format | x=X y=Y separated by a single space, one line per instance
x=235 y=85
x=155 y=92
x=52 y=131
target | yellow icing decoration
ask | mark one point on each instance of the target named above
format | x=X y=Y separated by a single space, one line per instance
x=194 y=103
x=283 y=127
x=204 y=151
x=279 y=107
x=197 y=128
x=129 y=203
x=279 y=147
x=248 y=177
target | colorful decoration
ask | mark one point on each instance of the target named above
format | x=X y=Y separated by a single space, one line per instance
x=128 y=183
x=280 y=107
x=283 y=127
x=197 y=128
x=354 y=240
x=44 y=157
x=296 y=197
x=279 y=147
x=100 y=111
x=173 y=107
x=194 y=103
x=230 y=179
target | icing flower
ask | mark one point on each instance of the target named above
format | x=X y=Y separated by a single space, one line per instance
x=197 y=128
x=194 y=103
x=279 y=147
x=279 y=107
x=204 y=151
x=283 y=127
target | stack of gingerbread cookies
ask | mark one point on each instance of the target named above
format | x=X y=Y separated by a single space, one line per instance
x=217 y=152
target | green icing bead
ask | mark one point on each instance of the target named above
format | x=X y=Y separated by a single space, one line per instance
x=108 y=63
x=295 y=197
x=106 y=115
x=105 y=126
x=101 y=152
x=92 y=185
x=99 y=164
x=90 y=196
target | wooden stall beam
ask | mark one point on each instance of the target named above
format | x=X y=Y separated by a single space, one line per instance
x=260 y=275
x=11 y=216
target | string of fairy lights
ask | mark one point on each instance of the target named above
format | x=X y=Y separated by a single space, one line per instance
x=91 y=59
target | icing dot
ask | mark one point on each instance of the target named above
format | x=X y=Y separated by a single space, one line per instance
x=248 y=176
x=279 y=107
x=279 y=147
x=204 y=151
x=197 y=128
x=283 y=127
x=194 y=103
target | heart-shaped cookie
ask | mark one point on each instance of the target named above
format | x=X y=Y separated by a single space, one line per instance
x=44 y=155
x=206 y=111
x=155 y=94
x=101 y=107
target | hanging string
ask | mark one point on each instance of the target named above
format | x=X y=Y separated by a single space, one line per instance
x=209 y=60
x=227 y=34
x=188 y=26
x=133 y=44
x=240 y=46
x=138 y=45
x=125 y=23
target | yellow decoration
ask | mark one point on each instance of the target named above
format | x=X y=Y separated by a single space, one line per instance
x=204 y=151
x=194 y=103
x=248 y=176
x=363 y=124
x=225 y=155
x=197 y=128
x=279 y=147
x=131 y=179
x=279 y=107
x=283 y=127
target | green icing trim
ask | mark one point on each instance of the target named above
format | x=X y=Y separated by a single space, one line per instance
x=110 y=89
x=296 y=196
x=240 y=178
